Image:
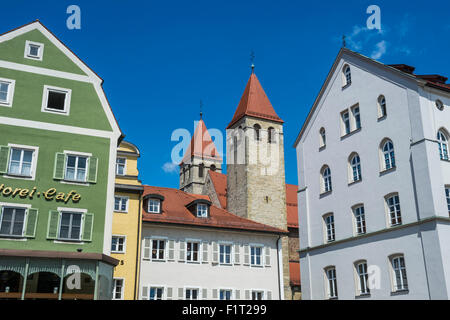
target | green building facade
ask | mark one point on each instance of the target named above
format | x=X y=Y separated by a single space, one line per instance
x=58 y=142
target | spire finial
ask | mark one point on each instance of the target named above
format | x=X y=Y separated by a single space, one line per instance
x=252 y=59
x=343 y=41
x=201 y=109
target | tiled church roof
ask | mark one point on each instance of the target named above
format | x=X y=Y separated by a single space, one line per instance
x=201 y=145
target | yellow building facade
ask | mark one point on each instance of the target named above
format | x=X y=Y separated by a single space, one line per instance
x=126 y=229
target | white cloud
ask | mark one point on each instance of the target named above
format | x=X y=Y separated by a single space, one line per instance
x=170 y=167
x=380 y=50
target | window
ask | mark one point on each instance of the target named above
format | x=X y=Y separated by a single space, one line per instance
x=225 y=254
x=154 y=205
x=158 y=249
x=12 y=221
x=6 y=92
x=347 y=75
x=76 y=168
x=255 y=255
x=388 y=155
x=118 y=289
x=393 y=204
x=192 y=251
x=118 y=244
x=225 y=294
x=326 y=179
x=257 y=295
x=257 y=129
x=381 y=106
x=360 y=220
x=191 y=294
x=56 y=100
x=362 y=275
x=34 y=50
x=120 y=166
x=399 y=273
x=443 y=145
x=330 y=274
x=156 y=293
x=329 y=227
x=439 y=105
x=356 y=117
x=447 y=195
x=201 y=169
x=323 y=138
x=355 y=165
x=202 y=210
x=345 y=122
x=70 y=226
x=271 y=137
x=20 y=162
x=120 y=204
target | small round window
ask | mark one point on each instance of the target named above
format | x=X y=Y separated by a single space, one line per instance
x=439 y=105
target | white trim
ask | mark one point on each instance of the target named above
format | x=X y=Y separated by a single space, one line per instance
x=68 y=97
x=124 y=168
x=74 y=210
x=16 y=205
x=127 y=203
x=25 y=217
x=257 y=245
x=27 y=54
x=280 y=269
x=10 y=95
x=33 y=161
x=76 y=154
x=199 y=293
x=199 y=252
x=233 y=290
x=122 y=289
x=263 y=291
x=226 y=243
x=158 y=238
x=158 y=286
x=124 y=243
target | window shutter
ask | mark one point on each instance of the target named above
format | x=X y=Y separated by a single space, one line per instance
x=53 y=224
x=171 y=250
x=147 y=243
x=237 y=295
x=92 y=174
x=214 y=294
x=215 y=258
x=237 y=253
x=30 y=228
x=246 y=255
x=247 y=294
x=88 y=225
x=205 y=294
x=269 y=295
x=169 y=294
x=205 y=252
x=60 y=163
x=182 y=256
x=4 y=158
x=144 y=295
x=267 y=254
x=180 y=294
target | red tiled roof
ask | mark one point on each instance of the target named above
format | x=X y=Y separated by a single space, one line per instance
x=219 y=181
x=201 y=145
x=254 y=102
x=174 y=211
x=294 y=271
x=292 y=205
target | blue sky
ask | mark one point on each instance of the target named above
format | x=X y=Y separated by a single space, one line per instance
x=160 y=58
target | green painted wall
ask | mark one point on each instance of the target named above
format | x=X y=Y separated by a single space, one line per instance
x=13 y=50
x=93 y=197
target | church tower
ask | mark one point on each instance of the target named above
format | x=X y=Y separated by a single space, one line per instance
x=256 y=187
x=200 y=157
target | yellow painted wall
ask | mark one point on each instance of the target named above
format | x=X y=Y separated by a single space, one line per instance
x=128 y=224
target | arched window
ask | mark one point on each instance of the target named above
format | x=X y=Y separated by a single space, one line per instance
x=439 y=105
x=355 y=166
x=362 y=277
x=347 y=75
x=326 y=179
x=257 y=129
x=271 y=135
x=330 y=276
x=388 y=155
x=212 y=168
x=381 y=106
x=323 y=138
x=201 y=169
x=398 y=268
x=443 y=145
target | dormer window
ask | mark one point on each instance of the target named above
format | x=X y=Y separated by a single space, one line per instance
x=34 y=50
x=202 y=210
x=153 y=203
x=199 y=208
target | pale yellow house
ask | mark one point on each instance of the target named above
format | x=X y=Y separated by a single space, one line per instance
x=126 y=229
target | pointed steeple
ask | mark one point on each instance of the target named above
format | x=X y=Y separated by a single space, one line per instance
x=254 y=103
x=201 y=145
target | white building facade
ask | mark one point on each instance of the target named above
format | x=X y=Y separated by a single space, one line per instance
x=374 y=178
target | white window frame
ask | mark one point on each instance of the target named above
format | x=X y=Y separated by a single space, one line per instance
x=329 y=228
x=382 y=107
x=447 y=195
x=34 y=160
x=326 y=182
x=159 y=205
x=362 y=282
x=256 y=291
x=185 y=289
x=127 y=199
x=10 y=94
x=27 y=54
x=202 y=213
x=259 y=246
x=225 y=289
x=165 y=250
x=25 y=216
x=122 y=289
x=230 y=244
x=345 y=123
x=442 y=139
x=199 y=251
x=390 y=153
x=359 y=219
x=120 y=236
x=355 y=168
x=67 y=101
x=71 y=210
x=396 y=287
x=346 y=76
x=331 y=283
x=322 y=138
x=356 y=117
x=76 y=154
x=163 y=295
x=398 y=213
x=124 y=167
